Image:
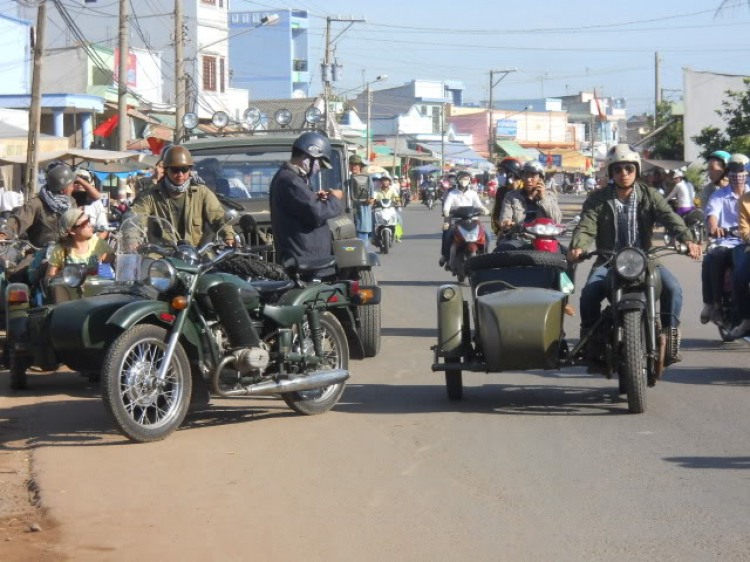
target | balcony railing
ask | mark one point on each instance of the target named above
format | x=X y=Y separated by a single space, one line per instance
x=299 y=65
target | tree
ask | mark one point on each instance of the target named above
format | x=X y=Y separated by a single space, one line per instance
x=669 y=144
x=736 y=135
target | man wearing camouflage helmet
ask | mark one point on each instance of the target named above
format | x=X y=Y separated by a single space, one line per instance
x=184 y=201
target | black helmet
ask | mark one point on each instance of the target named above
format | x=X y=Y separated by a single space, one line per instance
x=511 y=167
x=60 y=178
x=315 y=145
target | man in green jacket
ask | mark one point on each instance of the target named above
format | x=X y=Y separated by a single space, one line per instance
x=182 y=200
x=623 y=214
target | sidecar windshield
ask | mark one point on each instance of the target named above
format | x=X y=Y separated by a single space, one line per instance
x=137 y=231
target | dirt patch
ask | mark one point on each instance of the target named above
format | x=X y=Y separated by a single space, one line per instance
x=27 y=532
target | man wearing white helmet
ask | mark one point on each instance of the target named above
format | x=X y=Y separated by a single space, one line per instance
x=682 y=194
x=620 y=215
x=460 y=196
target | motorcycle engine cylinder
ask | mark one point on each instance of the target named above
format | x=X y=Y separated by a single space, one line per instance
x=238 y=326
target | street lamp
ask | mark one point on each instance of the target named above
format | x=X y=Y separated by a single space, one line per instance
x=493 y=83
x=368 y=100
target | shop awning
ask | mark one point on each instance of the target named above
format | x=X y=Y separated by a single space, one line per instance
x=515 y=150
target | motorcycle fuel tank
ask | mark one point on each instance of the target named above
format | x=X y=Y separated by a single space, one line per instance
x=521 y=329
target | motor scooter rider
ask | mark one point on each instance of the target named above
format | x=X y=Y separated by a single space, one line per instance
x=681 y=193
x=741 y=276
x=299 y=215
x=512 y=170
x=716 y=167
x=39 y=217
x=183 y=200
x=723 y=215
x=623 y=214
x=530 y=202
x=461 y=196
x=388 y=191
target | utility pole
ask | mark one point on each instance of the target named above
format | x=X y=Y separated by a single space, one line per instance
x=368 y=95
x=657 y=84
x=442 y=138
x=490 y=113
x=395 y=150
x=35 y=109
x=179 y=70
x=327 y=69
x=123 y=130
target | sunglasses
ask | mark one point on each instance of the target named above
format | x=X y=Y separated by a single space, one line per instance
x=627 y=168
x=84 y=224
x=179 y=169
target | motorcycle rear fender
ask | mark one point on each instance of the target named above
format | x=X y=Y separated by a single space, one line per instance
x=309 y=293
x=285 y=316
x=136 y=312
x=632 y=301
x=450 y=303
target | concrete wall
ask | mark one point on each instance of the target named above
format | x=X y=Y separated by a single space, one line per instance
x=703 y=93
x=15 y=65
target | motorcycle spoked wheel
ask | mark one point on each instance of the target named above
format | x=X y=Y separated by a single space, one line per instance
x=633 y=360
x=336 y=356
x=143 y=409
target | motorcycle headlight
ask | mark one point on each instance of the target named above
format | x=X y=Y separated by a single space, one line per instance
x=162 y=275
x=73 y=276
x=630 y=263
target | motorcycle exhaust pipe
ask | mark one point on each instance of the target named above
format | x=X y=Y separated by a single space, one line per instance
x=312 y=381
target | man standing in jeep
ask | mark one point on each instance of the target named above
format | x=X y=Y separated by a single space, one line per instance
x=299 y=215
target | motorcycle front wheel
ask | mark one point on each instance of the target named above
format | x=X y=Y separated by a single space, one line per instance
x=145 y=409
x=633 y=360
x=385 y=240
x=335 y=356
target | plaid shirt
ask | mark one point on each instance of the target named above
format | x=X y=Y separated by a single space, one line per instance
x=627 y=222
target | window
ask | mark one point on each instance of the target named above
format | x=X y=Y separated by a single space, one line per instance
x=235 y=18
x=245 y=18
x=209 y=2
x=221 y=75
x=209 y=74
x=424 y=110
x=256 y=18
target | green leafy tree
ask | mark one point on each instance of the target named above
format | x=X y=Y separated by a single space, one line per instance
x=735 y=111
x=669 y=144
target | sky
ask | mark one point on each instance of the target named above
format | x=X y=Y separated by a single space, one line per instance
x=558 y=46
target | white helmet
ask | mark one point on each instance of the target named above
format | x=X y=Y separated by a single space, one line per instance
x=623 y=153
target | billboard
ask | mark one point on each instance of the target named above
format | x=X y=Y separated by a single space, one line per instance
x=506 y=128
x=131 y=68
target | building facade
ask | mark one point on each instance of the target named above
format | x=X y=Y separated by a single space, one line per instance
x=15 y=70
x=271 y=62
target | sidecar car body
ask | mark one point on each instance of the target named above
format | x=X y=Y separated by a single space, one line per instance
x=517 y=306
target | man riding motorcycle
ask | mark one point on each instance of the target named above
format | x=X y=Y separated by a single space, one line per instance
x=39 y=217
x=716 y=167
x=512 y=169
x=388 y=191
x=722 y=212
x=461 y=196
x=190 y=206
x=683 y=196
x=620 y=215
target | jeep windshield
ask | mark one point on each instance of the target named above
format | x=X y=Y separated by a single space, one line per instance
x=246 y=174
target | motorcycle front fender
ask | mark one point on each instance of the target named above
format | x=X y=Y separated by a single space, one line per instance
x=136 y=312
x=450 y=303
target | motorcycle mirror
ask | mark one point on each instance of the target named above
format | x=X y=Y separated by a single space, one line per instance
x=230 y=215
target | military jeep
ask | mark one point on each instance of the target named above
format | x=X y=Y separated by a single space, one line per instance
x=239 y=169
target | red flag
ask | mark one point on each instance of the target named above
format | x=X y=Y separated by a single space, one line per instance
x=108 y=127
x=156 y=145
x=588 y=163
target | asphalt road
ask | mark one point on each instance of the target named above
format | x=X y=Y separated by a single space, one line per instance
x=534 y=466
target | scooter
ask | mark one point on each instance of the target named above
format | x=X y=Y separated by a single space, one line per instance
x=386 y=219
x=694 y=220
x=430 y=194
x=469 y=239
x=517 y=306
x=405 y=196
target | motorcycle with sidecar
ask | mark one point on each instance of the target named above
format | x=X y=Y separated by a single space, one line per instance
x=517 y=303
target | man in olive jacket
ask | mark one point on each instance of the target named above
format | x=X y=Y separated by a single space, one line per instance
x=620 y=215
x=182 y=200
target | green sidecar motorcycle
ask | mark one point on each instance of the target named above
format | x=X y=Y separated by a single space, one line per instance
x=518 y=301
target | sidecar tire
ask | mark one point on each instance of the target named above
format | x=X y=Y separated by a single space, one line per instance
x=311 y=407
x=369 y=318
x=112 y=393
x=454 y=383
x=516 y=258
x=18 y=365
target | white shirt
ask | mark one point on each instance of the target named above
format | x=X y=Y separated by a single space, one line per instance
x=98 y=214
x=682 y=194
x=9 y=200
x=457 y=198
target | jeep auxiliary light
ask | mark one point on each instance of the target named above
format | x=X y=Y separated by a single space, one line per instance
x=251 y=116
x=220 y=119
x=190 y=121
x=283 y=117
x=313 y=115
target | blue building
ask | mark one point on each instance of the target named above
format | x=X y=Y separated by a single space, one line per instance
x=271 y=61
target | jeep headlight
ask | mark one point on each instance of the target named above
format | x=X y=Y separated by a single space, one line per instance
x=162 y=275
x=630 y=263
x=73 y=275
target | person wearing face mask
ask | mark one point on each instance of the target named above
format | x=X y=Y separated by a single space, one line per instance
x=741 y=275
x=460 y=196
x=722 y=215
x=299 y=215
x=178 y=197
x=716 y=167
